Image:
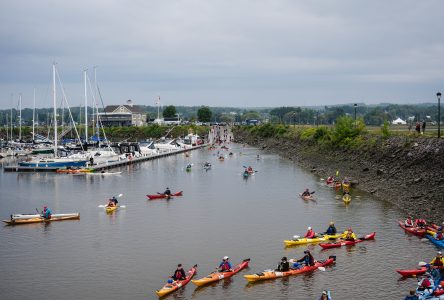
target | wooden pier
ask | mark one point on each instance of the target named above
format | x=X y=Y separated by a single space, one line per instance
x=104 y=166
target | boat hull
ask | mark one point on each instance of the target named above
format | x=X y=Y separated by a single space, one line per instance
x=39 y=219
x=171 y=287
x=266 y=275
x=216 y=276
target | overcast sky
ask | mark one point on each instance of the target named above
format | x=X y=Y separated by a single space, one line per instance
x=224 y=53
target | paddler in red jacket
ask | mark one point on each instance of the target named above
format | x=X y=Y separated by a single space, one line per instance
x=310 y=233
x=179 y=274
x=408 y=222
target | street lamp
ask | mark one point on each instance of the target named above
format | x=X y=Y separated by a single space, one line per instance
x=355 y=105
x=438 y=95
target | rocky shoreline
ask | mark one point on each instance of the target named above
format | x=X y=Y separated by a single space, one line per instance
x=407 y=172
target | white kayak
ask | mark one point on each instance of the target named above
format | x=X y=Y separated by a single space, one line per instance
x=29 y=216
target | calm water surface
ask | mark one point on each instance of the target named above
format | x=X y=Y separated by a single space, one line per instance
x=131 y=253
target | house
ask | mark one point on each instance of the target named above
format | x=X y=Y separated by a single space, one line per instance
x=123 y=115
x=399 y=121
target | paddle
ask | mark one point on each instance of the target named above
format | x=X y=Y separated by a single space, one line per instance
x=422 y=264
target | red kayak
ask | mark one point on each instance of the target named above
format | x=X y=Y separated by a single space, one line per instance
x=414 y=272
x=163 y=196
x=171 y=287
x=421 y=232
x=370 y=236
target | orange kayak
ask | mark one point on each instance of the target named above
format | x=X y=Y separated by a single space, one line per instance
x=216 y=276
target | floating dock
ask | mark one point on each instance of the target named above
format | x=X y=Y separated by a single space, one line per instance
x=104 y=166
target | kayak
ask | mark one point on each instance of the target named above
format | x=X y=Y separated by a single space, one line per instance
x=421 y=232
x=40 y=219
x=346 y=187
x=347 y=198
x=306 y=198
x=216 y=276
x=439 y=243
x=246 y=174
x=370 y=236
x=338 y=185
x=162 y=196
x=171 y=287
x=271 y=274
x=33 y=216
x=110 y=209
x=303 y=241
x=413 y=272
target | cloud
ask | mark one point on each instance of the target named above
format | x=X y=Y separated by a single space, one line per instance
x=249 y=53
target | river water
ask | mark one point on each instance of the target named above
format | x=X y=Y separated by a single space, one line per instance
x=131 y=253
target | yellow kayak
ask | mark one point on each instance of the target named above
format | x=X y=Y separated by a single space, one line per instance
x=303 y=241
x=346 y=198
x=110 y=209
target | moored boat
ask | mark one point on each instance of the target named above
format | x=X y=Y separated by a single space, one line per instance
x=216 y=276
x=27 y=219
x=271 y=274
x=346 y=198
x=171 y=287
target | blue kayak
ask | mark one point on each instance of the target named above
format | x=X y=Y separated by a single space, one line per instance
x=439 y=243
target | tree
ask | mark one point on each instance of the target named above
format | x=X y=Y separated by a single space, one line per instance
x=169 y=111
x=204 y=114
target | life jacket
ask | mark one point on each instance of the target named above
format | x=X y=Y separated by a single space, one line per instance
x=310 y=234
x=178 y=275
x=437 y=262
x=225 y=266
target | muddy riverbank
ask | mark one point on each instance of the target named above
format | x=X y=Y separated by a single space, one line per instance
x=407 y=172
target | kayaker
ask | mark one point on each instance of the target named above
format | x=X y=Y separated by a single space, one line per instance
x=438 y=261
x=420 y=223
x=188 y=166
x=308 y=259
x=325 y=296
x=441 y=227
x=283 y=266
x=330 y=179
x=411 y=296
x=110 y=203
x=46 y=213
x=331 y=229
x=408 y=222
x=439 y=235
x=250 y=169
x=114 y=200
x=167 y=191
x=225 y=265
x=425 y=283
x=179 y=274
x=349 y=235
x=310 y=233
x=306 y=193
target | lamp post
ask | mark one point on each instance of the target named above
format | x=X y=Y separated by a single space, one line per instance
x=438 y=95
x=355 y=105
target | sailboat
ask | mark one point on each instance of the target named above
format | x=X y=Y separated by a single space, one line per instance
x=60 y=162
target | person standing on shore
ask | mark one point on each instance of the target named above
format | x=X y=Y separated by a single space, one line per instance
x=423 y=126
x=418 y=127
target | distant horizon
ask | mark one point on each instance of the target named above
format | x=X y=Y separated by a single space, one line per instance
x=251 y=108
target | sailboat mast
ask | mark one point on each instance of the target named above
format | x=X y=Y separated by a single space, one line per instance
x=55 y=108
x=86 y=108
x=20 y=117
x=33 y=119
